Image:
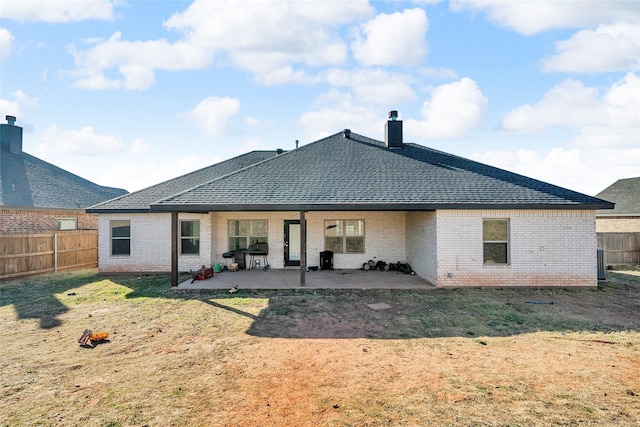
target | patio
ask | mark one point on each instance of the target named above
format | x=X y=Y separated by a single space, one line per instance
x=323 y=279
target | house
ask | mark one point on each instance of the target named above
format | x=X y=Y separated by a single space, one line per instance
x=457 y=222
x=36 y=195
x=625 y=217
x=618 y=230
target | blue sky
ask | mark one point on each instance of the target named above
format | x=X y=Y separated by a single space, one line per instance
x=131 y=93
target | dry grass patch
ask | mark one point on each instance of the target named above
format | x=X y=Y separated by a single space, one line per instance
x=313 y=358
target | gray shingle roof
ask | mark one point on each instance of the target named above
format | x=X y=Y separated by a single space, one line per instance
x=139 y=201
x=362 y=174
x=26 y=181
x=625 y=193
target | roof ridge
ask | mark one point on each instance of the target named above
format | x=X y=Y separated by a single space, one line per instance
x=188 y=174
x=225 y=175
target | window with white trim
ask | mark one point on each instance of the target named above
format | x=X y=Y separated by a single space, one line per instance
x=243 y=234
x=190 y=237
x=344 y=236
x=495 y=241
x=121 y=237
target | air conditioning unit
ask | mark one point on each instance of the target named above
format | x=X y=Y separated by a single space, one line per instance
x=601 y=268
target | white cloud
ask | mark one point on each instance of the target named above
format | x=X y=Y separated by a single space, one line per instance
x=262 y=36
x=253 y=122
x=265 y=38
x=373 y=86
x=140 y=146
x=607 y=48
x=135 y=61
x=84 y=142
x=438 y=73
x=213 y=114
x=337 y=110
x=569 y=103
x=9 y=108
x=57 y=11
x=606 y=144
x=16 y=106
x=585 y=170
x=25 y=99
x=530 y=17
x=613 y=118
x=453 y=110
x=395 y=39
x=6 y=43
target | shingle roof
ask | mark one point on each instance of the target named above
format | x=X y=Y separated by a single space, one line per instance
x=625 y=193
x=139 y=201
x=27 y=181
x=360 y=173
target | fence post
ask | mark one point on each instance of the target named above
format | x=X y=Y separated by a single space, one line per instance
x=55 y=252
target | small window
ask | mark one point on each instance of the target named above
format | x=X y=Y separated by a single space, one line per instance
x=67 y=224
x=495 y=241
x=190 y=237
x=344 y=236
x=120 y=237
x=245 y=233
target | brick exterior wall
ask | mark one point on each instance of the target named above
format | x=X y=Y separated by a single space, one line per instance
x=15 y=220
x=547 y=248
x=422 y=247
x=384 y=236
x=620 y=224
x=151 y=244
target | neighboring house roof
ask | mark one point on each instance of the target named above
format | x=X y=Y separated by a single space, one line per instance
x=625 y=193
x=26 y=181
x=360 y=173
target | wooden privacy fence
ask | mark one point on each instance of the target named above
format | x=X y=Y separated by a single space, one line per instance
x=22 y=254
x=620 y=248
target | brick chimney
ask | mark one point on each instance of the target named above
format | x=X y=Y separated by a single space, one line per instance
x=393 y=131
x=11 y=136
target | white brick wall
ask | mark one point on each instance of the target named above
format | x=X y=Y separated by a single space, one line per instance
x=547 y=248
x=422 y=248
x=384 y=236
x=150 y=244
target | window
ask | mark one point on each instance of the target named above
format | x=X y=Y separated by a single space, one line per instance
x=344 y=236
x=67 y=224
x=495 y=241
x=120 y=237
x=190 y=237
x=245 y=233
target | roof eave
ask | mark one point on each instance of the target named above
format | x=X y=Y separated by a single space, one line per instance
x=116 y=211
x=365 y=207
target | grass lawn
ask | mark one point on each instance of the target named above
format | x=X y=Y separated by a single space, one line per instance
x=463 y=357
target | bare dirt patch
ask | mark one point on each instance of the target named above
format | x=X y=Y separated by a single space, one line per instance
x=313 y=358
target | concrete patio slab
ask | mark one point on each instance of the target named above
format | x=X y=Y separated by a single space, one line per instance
x=324 y=279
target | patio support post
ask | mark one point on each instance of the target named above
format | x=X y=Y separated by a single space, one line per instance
x=174 y=248
x=303 y=248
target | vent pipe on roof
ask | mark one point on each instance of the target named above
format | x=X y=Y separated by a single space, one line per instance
x=296 y=143
x=393 y=131
x=11 y=136
x=346 y=134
